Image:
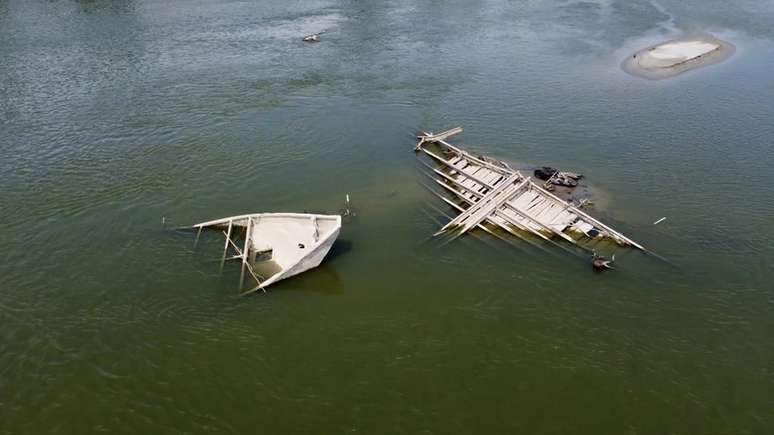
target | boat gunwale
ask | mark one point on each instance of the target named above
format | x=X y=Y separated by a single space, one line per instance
x=234 y=218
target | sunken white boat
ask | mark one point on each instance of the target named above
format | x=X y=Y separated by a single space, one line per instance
x=275 y=246
x=490 y=194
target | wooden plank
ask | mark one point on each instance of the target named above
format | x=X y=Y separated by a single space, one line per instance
x=493 y=203
x=493 y=221
x=474 y=158
x=597 y=223
x=240 y=256
x=477 y=207
x=446 y=162
x=550 y=229
x=429 y=137
x=509 y=219
x=499 y=213
x=480 y=196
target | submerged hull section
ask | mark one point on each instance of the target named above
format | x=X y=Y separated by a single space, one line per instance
x=276 y=245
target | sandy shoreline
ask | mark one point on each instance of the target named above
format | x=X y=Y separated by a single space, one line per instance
x=674 y=57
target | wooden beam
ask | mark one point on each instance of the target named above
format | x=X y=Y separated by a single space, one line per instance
x=225 y=247
x=486 y=201
x=492 y=205
x=429 y=137
x=542 y=225
x=470 y=156
x=579 y=212
x=244 y=252
x=499 y=213
x=449 y=164
x=223 y=220
x=250 y=269
x=506 y=228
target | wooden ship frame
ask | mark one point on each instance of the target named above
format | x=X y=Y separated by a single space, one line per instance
x=489 y=193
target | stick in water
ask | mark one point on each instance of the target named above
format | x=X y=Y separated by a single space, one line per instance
x=659 y=221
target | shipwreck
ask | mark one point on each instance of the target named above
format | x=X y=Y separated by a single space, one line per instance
x=489 y=194
x=274 y=246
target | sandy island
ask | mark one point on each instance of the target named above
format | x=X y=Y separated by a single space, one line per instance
x=676 y=57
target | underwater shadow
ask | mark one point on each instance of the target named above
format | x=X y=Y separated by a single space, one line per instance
x=339 y=248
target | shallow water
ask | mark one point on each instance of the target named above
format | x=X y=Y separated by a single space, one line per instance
x=116 y=114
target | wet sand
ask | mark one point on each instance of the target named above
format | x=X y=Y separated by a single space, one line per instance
x=675 y=57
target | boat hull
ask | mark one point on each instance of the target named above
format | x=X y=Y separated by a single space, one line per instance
x=309 y=261
x=277 y=246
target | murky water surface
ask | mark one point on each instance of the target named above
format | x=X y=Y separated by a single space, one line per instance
x=116 y=114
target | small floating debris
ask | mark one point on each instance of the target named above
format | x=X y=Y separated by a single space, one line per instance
x=276 y=245
x=314 y=37
x=660 y=220
x=675 y=57
x=490 y=194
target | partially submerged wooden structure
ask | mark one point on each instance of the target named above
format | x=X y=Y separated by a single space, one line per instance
x=276 y=245
x=488 y=192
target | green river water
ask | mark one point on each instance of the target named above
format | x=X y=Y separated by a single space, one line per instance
x=115 y=114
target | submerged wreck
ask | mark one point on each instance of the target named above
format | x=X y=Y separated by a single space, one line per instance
x=276 y=245
x=488 y=192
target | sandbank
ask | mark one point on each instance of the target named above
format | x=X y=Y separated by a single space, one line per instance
x=675 y=57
